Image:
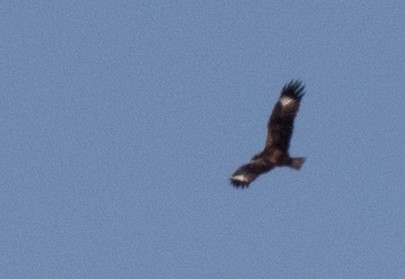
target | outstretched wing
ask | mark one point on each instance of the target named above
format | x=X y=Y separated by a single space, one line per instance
x=243 y=176
x=281 y=123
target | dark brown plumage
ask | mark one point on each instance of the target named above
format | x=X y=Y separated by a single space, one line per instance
x=279 y=131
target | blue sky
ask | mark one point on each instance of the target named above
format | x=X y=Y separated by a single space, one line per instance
x=122 y=122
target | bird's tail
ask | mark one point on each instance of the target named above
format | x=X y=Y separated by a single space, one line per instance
x=296 y=163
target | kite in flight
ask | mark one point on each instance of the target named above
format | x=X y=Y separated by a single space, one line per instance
x=279 y=131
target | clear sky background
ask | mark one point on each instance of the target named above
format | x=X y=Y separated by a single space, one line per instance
x=122 y=121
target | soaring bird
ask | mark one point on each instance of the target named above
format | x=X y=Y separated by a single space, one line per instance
x=279 y=131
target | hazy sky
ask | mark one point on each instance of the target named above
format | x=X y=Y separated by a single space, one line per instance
x=122 y=121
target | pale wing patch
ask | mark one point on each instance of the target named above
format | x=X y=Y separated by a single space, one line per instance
x=240 y=177
x=286 y=101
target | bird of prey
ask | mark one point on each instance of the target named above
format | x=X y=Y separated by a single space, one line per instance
x=279 y=131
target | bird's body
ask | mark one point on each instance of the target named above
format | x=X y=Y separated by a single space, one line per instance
x=280 y=128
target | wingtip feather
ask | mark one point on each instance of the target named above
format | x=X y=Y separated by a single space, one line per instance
x=239 y=181
x=294 y=89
